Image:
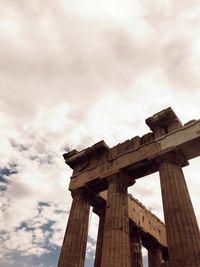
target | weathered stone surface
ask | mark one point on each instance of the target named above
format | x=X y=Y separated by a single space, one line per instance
x=154 y=257
x=100 y=211
x=137 y=160
x=75 y=240
x=151 y=228
x=164 y=122
x=181 y=225
x=136 y=247
x=116 y=243
x=99 y=168
x=148 y=223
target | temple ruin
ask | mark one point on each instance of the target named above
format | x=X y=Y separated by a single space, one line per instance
x=101 y=176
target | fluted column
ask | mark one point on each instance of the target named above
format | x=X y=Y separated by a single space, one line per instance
x=181 y=225
x=154 y=257
x=75 y=240
x=116 y=242
x=136 y=248
x=101 y=213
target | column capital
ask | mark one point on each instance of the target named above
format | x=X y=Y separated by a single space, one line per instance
x=78 y=191
x=173 y=156
x=122 y=178
x=83 y=193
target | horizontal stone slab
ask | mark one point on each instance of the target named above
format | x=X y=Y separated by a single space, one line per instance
x=148 y=223
x=138 y=159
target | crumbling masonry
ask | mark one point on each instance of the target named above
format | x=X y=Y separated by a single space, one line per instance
x=101 y=176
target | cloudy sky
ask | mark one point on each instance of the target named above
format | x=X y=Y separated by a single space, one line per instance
x=73 y=73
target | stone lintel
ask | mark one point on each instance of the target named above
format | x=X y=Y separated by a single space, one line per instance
x=137 y=161
x=99 y=209
x=151 y=227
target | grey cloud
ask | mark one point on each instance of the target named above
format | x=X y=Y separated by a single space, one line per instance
x=179 y=63
x=37 y=150
x=19 y=147
x=5 y=176
x=84 y=58
x=20 y=191
x=175 y=25
x=42 y=159
x=5 y=172
x=3 y=187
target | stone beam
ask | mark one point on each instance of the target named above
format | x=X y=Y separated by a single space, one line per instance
x=136 y=156
x=150 y=226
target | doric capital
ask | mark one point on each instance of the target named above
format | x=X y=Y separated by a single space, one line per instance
x=122 y=178
x=173 y=156
x=79 y=192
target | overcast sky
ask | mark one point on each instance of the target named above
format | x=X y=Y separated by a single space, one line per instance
x=73 y=73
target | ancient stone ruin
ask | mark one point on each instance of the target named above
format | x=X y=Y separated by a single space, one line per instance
x=101 y=176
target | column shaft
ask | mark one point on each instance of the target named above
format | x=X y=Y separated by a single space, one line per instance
x=98 y=253
x=116 y=242
x=75 y=240
x=136 y=249
x=154 y=257
x=181 y=224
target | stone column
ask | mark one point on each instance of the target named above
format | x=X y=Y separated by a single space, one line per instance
x=75 y=240
x=116 y=242
x=136 y=248
x=101 y=213
x=181 y=225
x=154 y=257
